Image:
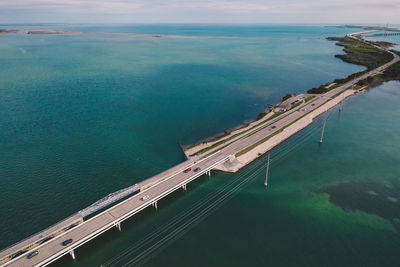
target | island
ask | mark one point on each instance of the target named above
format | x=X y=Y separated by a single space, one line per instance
x=282 y=120
x=231 y=152
x=18 y=31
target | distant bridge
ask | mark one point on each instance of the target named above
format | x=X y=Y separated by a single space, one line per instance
x=382 y=34
x=49 y=245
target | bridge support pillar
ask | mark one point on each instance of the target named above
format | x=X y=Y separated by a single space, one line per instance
x=208 y=173
x=155 y=204
x=72 y=253
x=184 y=187
x=118 y=225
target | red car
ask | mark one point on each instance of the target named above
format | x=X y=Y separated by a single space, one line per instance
x=187 y=170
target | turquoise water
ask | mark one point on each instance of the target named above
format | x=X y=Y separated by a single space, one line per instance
x=392 y=39
x=85 y=115
x=331 y=205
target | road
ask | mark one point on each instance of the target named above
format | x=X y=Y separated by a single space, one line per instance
x=171 y=180
x=95 y=226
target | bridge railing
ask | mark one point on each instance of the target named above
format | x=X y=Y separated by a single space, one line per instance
x=36 y=238
x=127 y=215
x=109 y=199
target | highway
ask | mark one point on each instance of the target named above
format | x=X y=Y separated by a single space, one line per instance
x=289 y=117
x=86 y=231
x=161 y=185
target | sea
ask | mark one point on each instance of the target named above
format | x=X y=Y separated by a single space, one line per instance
x=84 y=115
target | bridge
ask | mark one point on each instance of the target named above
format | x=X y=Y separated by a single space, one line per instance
x=382 y=34
x=48 y=244
x=114 y=216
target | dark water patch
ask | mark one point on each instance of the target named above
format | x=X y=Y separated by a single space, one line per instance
x=382 y=199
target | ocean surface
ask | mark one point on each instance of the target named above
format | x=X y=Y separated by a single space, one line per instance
x=85 y=115
x=394 y=39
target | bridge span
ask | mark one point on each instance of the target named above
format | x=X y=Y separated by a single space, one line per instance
x=381 y=34
x=157 y=187
x=82 y=233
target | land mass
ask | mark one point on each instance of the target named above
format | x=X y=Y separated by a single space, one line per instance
x=284 y=119
x=230 y=153
x=11 y=31
x=366 y=28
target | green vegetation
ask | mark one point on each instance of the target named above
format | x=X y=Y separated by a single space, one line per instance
x=362 y=53
x=366 y=81
x=213 y=146
x=309 y=98
x=320 y=90
x=357 y=87
x=261 y=115
x=296 y=105
x=8 y=31
x=249 y=148
x=286 y=97
x=392 y=73
x=247 y=132
x=217 y=144
x=357 y=52
x=384 y=44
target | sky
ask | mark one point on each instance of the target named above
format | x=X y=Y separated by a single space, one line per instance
x=201 y=11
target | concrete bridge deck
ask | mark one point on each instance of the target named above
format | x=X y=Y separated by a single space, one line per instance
x=112 y=217
x=382 y=34
x=167 y=182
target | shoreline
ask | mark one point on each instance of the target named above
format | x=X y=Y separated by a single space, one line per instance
x=245 y=157
x=38 y=32
x=192 y=149
x=274 y=141
x=250 y=143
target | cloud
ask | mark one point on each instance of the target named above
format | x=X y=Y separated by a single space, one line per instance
x=258 y=11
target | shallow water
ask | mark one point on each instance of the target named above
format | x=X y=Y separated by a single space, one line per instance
x=85 y=115
x=395 y=40
x=331 y=204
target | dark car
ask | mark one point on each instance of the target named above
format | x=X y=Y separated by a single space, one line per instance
x=187 y=170
x=197 y=169
x=32 y=254
x=66 y=242
x=273 y=127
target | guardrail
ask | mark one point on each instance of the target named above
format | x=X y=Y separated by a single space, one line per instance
x=26 y=243
x=126 y=216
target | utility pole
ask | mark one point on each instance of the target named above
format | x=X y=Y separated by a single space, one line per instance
x=323 y=129
x=266 y=176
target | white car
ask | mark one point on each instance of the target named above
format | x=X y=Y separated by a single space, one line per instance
x=145 y=197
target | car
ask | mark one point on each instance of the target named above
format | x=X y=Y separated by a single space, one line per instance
x=32 y=254
x=273 y=127
x=143 y=198
x=197 y=169
x=66 y=242
x=187 y=170
x=312 y=104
